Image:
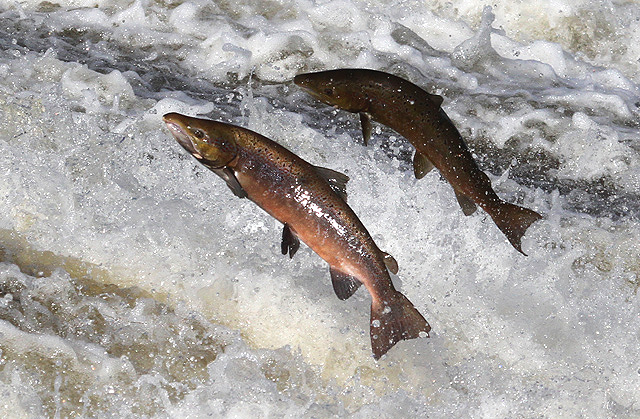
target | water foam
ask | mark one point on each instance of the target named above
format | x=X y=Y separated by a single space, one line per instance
x=205 y=316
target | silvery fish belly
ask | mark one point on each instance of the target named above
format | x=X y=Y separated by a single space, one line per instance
x=311 y=203
x=418 y=116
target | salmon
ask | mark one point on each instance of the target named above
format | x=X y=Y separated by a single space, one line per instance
x=311 y=203
x=419 y=117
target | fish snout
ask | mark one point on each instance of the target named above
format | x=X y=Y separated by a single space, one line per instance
x=309 y=87
x=306 y=83
x=179 y=131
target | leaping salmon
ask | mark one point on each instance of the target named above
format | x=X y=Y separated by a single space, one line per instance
x=311 y=203
x=418 y=116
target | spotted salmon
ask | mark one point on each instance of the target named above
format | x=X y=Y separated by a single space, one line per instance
x=311 y=203
x=419 y=117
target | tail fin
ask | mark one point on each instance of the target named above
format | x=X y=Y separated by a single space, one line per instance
x=514 y=221
x=394 y=320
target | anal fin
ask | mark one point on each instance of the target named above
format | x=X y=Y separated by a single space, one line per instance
x=421 y=165
x=290 y=242
x=467 y=205
x=390 y=262
x=344 y=285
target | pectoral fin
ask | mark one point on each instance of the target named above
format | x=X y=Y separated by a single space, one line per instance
x=337 y=181
x=390 y=263
x=365 y=121
x=344 y=285
x=232 y=182
x=290 y=242
x=467 y=205
x=421 y=165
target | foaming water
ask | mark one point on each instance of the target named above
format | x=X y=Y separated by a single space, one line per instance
x=133 y=283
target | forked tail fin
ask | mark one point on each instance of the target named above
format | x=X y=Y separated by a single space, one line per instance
x=394 y=320
x=514 y=221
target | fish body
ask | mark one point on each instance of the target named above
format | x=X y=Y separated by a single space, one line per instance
x=418 y=116
x=310 y=202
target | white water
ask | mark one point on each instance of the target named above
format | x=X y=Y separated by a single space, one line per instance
x=133 y=283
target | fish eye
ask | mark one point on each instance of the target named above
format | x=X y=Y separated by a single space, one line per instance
x=328 y=92
x=198 y=133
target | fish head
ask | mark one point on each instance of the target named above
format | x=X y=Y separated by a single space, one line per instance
x=211 y=143
x=333 y=87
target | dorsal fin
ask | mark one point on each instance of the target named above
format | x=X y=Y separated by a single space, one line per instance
x=337 y=181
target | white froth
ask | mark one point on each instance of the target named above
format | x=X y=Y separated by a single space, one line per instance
x=149 y=289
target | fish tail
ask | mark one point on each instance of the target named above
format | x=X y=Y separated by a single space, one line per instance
x=514 y=221
x=392 y=320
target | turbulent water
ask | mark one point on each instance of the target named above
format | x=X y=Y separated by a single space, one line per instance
x=134 y=284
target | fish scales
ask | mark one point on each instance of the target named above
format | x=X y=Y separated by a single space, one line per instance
x=289 y=189
x=411 y=113
x=418 y=116
x=308 y=200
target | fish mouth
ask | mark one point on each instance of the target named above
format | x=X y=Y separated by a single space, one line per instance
x=310 y=90
x=307 y=85
x=179 y=133
x=300 y=80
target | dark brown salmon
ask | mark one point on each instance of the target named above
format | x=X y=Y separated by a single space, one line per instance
x=417 y=116
x=311 y=203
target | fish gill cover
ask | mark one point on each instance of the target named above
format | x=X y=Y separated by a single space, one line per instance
x=133 y=283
